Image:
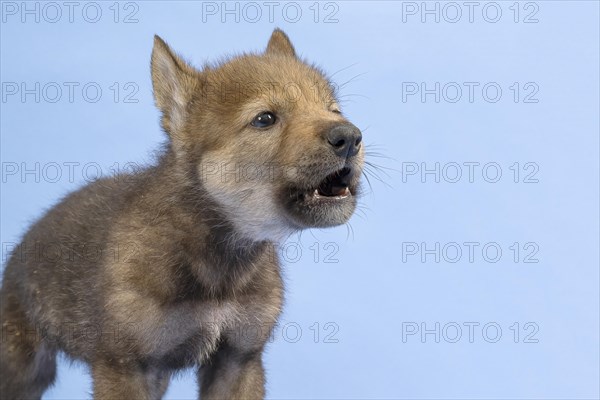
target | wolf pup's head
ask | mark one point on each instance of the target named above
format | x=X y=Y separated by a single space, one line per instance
x=265 y=137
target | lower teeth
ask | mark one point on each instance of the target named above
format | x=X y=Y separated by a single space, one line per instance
x=344 y=193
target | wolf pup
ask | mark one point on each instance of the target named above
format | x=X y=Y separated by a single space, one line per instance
x=143 y=274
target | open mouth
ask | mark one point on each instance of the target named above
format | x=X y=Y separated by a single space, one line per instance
x=328 y=202
x=334 y=186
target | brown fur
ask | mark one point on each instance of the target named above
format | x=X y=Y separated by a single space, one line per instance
x=174 y=266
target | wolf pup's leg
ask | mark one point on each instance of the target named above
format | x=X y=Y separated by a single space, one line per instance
x=113 y=381
x=232 y=374
x=27 y=363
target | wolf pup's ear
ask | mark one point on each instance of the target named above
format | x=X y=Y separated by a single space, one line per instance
x=280 y=44
x=174 y=81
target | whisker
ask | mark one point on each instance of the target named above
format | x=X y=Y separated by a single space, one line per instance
x=378 y=154
x=354 y=95
x=368 y=181
x=377 y=169
x=349 y=230
x=351 y=79
x=361 y=211
x=343 y=69
x=374 y=174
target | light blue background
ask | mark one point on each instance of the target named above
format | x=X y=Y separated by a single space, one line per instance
x=371 y=291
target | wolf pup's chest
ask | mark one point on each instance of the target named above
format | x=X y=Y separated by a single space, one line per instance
x=196 y=334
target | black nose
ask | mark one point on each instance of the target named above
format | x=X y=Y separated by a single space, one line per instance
x=345 y=140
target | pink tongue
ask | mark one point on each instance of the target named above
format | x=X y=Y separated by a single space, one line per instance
x=338 y=190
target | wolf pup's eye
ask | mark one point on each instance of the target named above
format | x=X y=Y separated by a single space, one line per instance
x=263 y=120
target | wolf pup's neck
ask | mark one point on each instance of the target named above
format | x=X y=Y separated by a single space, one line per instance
x=196 y=229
